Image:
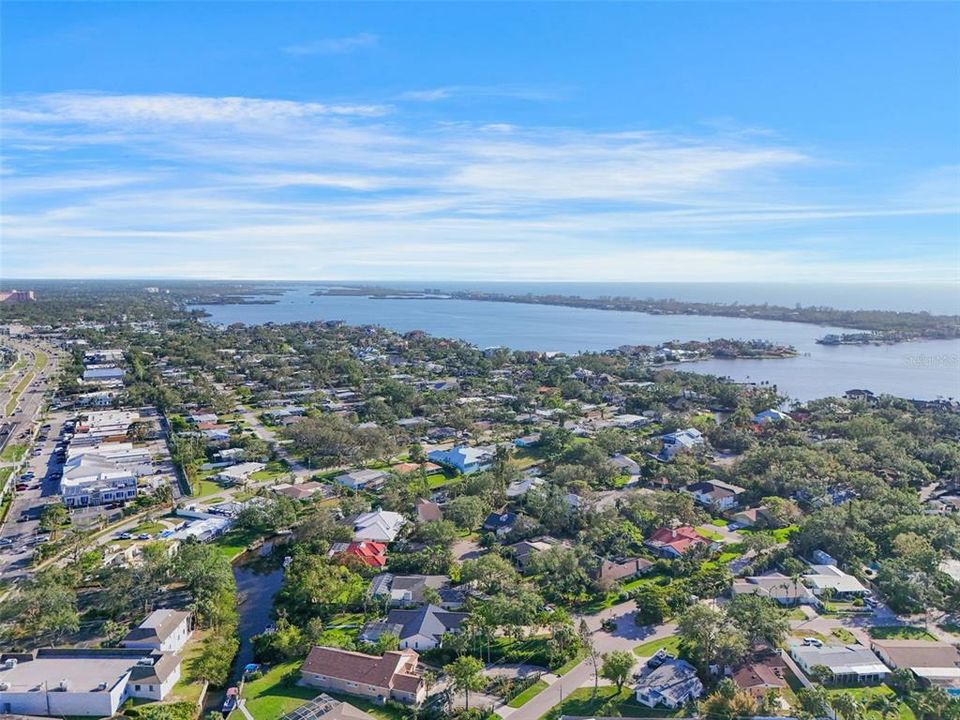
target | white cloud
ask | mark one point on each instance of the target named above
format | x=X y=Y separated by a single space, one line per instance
x=98 y=109
x=334 y=46
x=140 y=181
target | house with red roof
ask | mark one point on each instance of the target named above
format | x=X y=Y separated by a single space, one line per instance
x=372 y=554
x=674 y=542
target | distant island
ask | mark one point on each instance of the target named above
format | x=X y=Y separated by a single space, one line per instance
x=876 y=326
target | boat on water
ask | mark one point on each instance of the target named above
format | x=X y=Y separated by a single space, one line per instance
x=230 y=701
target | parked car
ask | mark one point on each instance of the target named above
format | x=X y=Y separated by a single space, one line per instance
x=143 y=536
x=812 y=641
x=125 y=536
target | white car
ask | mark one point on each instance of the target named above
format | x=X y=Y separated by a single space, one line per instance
x=812 y=641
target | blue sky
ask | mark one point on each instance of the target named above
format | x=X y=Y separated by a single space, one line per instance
x=661 y=141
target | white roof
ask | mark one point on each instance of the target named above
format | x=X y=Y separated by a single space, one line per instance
x=830 y=576
x=379 y=525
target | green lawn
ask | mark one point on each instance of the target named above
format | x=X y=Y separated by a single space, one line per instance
x=13 y=452
x=150 y=526
x=528 y=694
x=437 y=480
x=800 y=634
x=607 y=703
x=796 y=614
x=719 y=522
x=202 y=488
x=671 y=643
x=865 y=694
x=188 y=687
x=710 y=534
x=233 y=543
x=277 y=693
x=900 y=632
x=844 y=636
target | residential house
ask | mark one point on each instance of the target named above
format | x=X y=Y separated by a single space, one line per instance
x=848 y=664
x=324 y=707
x=407 y=589
x=771 y=415
x=378 y=525
x=501 y=523
x=680 y=441
x=362 y=479
x=301 y=491
x=423 y=628
x=371 y=554
x=427 y=511
x=239 y=474
x=522 y=487
x=761 y=676
x=674 y=542
x=465 y=460
x=775 y=586
x=830 y=578
x=715 y=494
x=82 y=682
x=524 y=551
x=164 y=630
x=527 y=441
x=393 y=676
x=621 y=568
x=671 y=684
x=933 y=663
x=626 y=465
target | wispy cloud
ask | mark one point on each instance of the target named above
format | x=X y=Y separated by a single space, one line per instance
x=450 y=92
x=334 y=46
x=117 y=183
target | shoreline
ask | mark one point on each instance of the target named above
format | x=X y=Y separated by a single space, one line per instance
x=888 y=327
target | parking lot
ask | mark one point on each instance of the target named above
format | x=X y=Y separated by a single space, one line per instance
x=37 y=485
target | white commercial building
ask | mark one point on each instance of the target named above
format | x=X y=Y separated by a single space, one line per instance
x=90 y=479
x=57 y=682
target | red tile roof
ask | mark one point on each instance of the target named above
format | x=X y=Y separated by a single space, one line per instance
x=680 y=539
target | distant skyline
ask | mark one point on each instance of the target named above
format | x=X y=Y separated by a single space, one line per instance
x=415 y=142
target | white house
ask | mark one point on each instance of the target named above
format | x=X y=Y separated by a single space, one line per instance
x=829 y=577
x=94 y=682
x=846 y=663
x=360 y=479
x=240 y=473
x=716 y=494
x=164 y=630
x=771 y=415
x=670 y=684
x=378 y=526
x=679 y=441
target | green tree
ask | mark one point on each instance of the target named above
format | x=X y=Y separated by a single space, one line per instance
x=616 y=667
x=728 y=702
x=53 y=517
x=759 y=618
x=466 y=674
x=652 y=606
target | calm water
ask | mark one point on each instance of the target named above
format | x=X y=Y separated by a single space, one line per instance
x=257 y=583
x=920 y=370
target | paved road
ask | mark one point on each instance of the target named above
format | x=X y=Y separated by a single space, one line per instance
x=21 y=524
x=626 y=636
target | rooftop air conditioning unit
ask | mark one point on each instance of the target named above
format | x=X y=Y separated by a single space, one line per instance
x=64 y=685
x=102 y=686
x=9 y=663
x=4 y=686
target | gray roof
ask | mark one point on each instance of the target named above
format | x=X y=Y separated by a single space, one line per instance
x=842 y=660
x=674 y=678
x=324 y=706
x=158 y=626
x=430 y=621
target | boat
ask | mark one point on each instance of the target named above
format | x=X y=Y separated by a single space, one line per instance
x=230 y=701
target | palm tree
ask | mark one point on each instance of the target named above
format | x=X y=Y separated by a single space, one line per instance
x=846 y=706
x=886 y=705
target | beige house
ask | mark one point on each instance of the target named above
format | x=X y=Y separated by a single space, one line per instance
x=393 y=676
